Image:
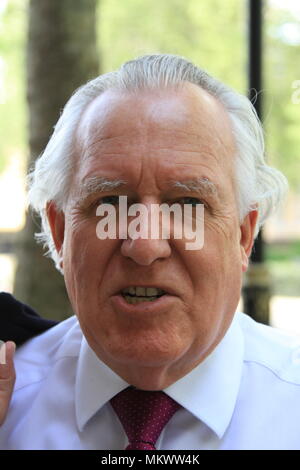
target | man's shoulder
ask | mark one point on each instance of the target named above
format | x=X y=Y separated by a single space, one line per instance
x=35 y=357
x=271 y=348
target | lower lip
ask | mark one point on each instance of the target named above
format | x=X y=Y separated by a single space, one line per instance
x=162 y=303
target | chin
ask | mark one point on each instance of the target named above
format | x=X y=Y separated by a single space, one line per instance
x=147 y=356
x=139 y=359
x=144 y=372
x=143 y=359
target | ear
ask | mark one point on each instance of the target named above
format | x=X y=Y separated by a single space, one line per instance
x=247 y=229
x=56 y=219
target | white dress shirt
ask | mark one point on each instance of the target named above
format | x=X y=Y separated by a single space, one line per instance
x=245 y=395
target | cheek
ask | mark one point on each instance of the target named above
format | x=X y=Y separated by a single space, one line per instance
x=221 y=238
x=214 y=269
x=85 y=261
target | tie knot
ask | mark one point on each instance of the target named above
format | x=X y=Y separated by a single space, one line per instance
x=143 y=415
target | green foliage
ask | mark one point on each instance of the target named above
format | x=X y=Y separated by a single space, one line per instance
x=285 y=277
x=283 y=251
x=212 y=34
x=282 y=116
x=283 y=261
x=12 y=79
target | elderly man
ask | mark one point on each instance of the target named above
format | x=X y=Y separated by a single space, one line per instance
x=156 y=356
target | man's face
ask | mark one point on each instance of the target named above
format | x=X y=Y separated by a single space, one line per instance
x=150 y=140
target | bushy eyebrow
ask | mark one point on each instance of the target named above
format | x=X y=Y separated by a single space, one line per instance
x=202 y=186
x=98 y=184
x=95 y=184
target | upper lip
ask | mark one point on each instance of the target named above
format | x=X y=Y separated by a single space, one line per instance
x=159 y=285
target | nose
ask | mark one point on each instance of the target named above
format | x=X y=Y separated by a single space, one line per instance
x=147 y=248
x=146 y=251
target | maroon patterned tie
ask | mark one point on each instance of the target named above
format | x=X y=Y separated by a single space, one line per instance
x=143 y=415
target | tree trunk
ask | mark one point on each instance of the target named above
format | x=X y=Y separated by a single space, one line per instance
x=61 y=56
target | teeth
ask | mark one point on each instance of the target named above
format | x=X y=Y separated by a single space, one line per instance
x=152 y=291
x=138 y=300
x=137 y=294
x=143 y=291
x=139 y=291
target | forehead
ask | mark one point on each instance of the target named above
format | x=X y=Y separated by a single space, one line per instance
x=178 y=128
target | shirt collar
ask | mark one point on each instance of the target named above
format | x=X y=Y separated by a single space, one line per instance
x=95 y=384
x=209 y=391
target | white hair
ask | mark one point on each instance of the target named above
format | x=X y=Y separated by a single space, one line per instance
x=258 y=185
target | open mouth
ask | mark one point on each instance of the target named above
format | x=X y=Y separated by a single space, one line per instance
x=137 y=295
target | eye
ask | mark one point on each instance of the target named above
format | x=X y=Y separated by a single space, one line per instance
x=114 y=200
x=193 y=201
